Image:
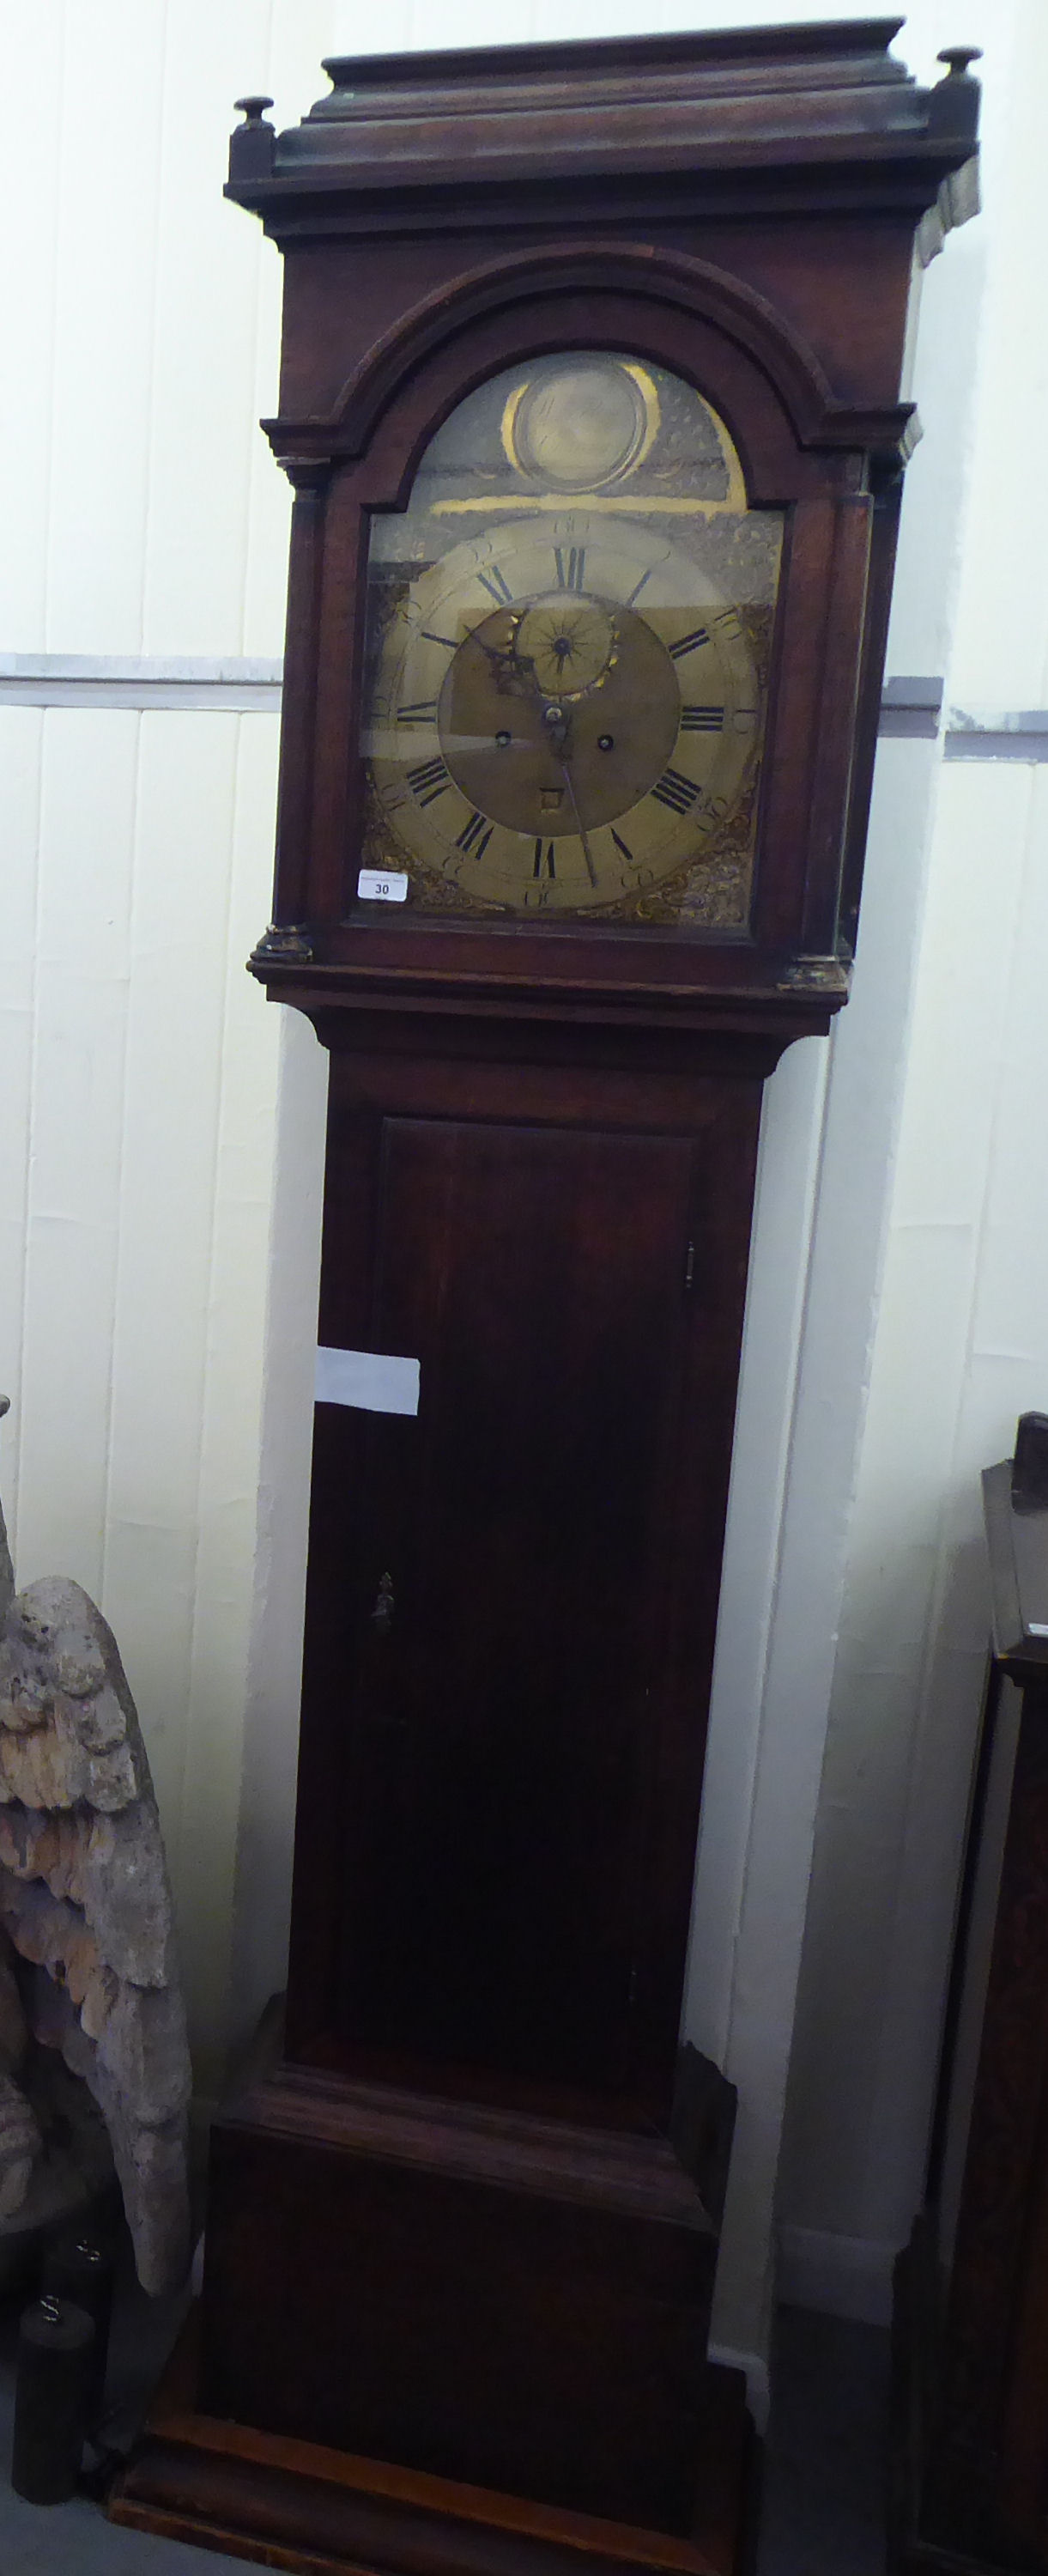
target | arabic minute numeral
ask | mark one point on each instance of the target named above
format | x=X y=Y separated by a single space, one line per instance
x=473 y=837
x=428 y=780
x=544 y=865
x=676 y=791
x=702 y=719
x=571 y=566
x=689 y=643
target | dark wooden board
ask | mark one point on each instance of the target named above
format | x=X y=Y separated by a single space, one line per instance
x=508 y=1780
x=971 y=2315
x=296 y=2505
x=519 y=2301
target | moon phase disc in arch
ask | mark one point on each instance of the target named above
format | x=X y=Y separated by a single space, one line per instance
x=577 y=426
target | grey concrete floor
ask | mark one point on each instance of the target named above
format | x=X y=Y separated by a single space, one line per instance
x=824 y=2466
x=823 y=2475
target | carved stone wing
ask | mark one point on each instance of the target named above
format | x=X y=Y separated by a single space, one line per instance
x=85 y=1901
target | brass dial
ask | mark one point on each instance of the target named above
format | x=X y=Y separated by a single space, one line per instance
x=564 y=713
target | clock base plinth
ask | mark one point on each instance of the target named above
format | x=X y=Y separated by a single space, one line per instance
x=506 y=2299
x=296 y=2505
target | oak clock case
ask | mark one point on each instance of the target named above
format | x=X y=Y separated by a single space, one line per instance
x=590 y=400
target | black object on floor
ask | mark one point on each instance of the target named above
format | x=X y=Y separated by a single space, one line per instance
x=52 y=2397
x=80 y=2268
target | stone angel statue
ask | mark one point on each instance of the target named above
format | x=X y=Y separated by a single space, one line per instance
x=88 y=1981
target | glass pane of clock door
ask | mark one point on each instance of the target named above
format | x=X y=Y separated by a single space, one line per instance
x=569 y=642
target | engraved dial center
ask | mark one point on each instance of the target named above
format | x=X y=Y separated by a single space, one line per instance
x=580 y=748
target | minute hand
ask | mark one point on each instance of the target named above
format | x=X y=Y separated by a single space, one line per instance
x=579 y=824
x=558 y=728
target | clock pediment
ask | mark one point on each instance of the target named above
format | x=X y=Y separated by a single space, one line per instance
x=655 y=277
x=728 y=118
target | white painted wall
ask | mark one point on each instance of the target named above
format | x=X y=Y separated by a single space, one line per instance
x=138 y=1065
x=154 y=1108
x=961 y=1341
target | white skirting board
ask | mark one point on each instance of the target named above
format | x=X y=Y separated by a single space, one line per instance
x=758 y=2380
x=839 y=2276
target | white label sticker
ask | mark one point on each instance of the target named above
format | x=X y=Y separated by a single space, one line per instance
x=374 y=1381
x=383 y=885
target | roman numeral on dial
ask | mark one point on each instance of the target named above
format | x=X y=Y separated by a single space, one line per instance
x=571 y=566
x=702 y=719
x=544 y=865
x=676 y=791
x=689 y=643
x=424 y=713
x=428 y=780
x=496 y=584
x=475 y=835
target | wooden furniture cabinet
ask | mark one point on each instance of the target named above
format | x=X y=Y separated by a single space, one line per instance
x=971 y=2322
x=591 y=399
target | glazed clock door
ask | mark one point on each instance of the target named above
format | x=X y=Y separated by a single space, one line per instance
x=502 y=1607
x=569 y=639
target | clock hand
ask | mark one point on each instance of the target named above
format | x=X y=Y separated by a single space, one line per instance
x=559 y=728
x=579 y=825
x=512 y=677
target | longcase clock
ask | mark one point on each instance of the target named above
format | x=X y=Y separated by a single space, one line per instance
x=591 y=402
